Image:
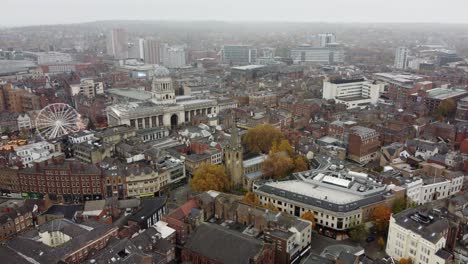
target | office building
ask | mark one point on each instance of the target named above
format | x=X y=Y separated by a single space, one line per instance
x=47 y=58
x=117 y=45
x=18 y=100
x=325 y=39
x=354 y=93
x=173 y=57
x=401 y=58
x=447 y=56
x=338 y=198
x=308 y=54
x=238 y=54
x=87 y=87
x=151 y=51
x=363 y=144
x=434 y=97
x=419 y=235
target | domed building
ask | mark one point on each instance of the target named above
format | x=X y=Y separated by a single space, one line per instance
x=159 y=71
x=159 y=107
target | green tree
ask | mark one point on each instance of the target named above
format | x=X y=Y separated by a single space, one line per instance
x=210 y=177
x=399 y=205
x=358 y=233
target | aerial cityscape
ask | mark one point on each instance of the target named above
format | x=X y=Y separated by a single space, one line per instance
x=233 y=132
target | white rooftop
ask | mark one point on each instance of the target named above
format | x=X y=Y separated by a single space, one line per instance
x=316 y=191
x=254 y=161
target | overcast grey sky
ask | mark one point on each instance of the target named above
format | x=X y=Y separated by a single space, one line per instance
x=34 y=12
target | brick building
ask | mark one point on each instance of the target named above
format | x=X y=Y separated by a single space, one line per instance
x=16 y=216
x=433 y=97
x=8 y=180
x=62 y=180
x=363 y=144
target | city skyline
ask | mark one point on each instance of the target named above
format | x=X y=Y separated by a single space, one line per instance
x=335 y=11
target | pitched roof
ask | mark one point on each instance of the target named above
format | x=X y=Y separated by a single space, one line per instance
x=223 y=245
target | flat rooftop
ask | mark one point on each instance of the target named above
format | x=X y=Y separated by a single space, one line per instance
x=248 y=67
x=444 y=93
x=130 y=93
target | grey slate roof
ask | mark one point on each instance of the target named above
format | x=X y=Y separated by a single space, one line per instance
x=223 y=245
x=431 y=232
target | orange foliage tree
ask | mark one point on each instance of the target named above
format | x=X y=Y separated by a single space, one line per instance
x=381 y=217
x=251 y=198
x=310 y=217
x=272 y=207
x=210 y=177
x=300 y=163
x=262 y=137
x=282 y=145
x=276 y=166
x=405 y=261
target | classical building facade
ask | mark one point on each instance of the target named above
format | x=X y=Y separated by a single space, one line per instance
x=158 y=107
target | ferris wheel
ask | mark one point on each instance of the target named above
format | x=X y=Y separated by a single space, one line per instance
x=56 y=120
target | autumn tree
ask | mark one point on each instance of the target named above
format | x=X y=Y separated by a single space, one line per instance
x=309 y=216
x=271 y=207
x=262 y=137
x=405 y=261
x=381 y=242
x=210 y=177
x=251 y=198
x=381 y=217
x=282 y=145
x=446 y=108
x=277 y=166
x=300 y=163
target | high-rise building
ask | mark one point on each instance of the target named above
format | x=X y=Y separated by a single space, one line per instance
x=238 y=54
x=141 y=48
x=325 y=39
x=308 y=54
x=117 y=44
x=173 y=57
x=401 y=58
x=151 y=51
x=353 y=93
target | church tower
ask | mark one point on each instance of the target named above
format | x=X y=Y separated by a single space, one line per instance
x=233 y=157
x=163 y=91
